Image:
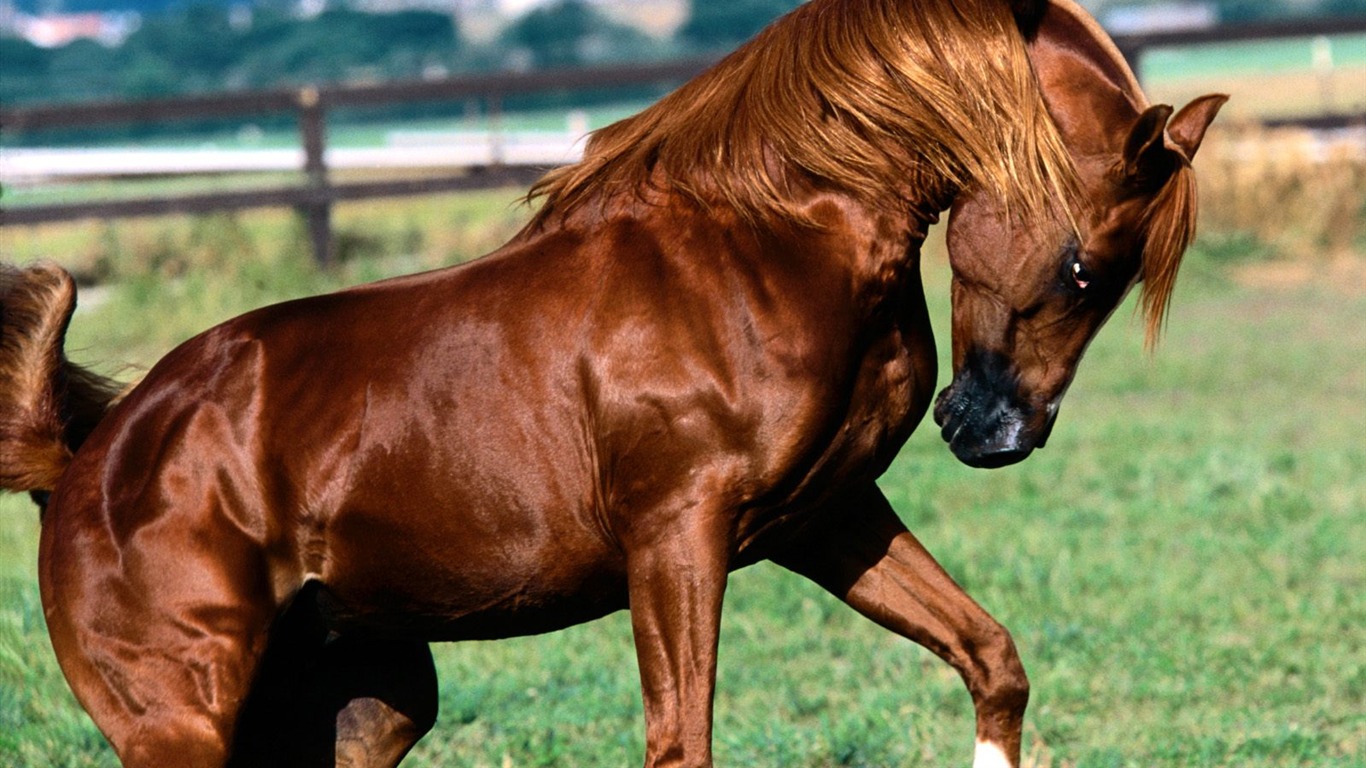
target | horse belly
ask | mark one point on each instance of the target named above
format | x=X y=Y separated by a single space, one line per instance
x=468 y=573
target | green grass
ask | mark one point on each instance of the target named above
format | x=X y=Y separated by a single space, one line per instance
x=130 y=189
x=1249 y=57
x=342 y=133
x=1183 y=567
x=358 y=130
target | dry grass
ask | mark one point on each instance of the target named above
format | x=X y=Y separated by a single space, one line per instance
x=171 y=277
x=1287 y=193
x=1270 y=94
x=423 y=233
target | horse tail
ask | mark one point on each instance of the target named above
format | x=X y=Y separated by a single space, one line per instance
x=48 y=406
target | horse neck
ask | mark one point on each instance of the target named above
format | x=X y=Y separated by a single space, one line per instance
x=872 y=237
x=1084 y=32
x=877 y=242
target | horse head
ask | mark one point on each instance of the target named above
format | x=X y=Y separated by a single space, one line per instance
x=1029 y=296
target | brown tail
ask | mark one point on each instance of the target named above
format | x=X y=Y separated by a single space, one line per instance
x=47 y=405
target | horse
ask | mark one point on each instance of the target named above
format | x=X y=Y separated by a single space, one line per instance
x=700 y=353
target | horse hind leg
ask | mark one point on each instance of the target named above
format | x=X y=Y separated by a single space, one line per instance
x=224 y=699
x=174 y=642
x=159 y=645
x=325 y=698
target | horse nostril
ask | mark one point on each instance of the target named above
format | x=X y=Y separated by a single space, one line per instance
x=986 y=434
x=942 y=405
x=995 y=459
x=951 y=413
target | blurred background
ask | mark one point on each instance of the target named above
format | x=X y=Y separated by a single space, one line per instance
x=204 y=95
x=118 y=109
x=1183 y=568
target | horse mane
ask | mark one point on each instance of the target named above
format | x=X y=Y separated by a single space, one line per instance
x=873 y=98
x=1170 y=225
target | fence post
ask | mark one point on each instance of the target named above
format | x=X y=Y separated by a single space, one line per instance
x=317 y=211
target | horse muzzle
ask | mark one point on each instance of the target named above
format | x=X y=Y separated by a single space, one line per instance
x=985 y=421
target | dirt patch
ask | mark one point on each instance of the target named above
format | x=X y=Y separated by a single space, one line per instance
x=1345 y=274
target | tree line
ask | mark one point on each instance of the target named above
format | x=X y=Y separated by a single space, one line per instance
x=207 y=47
x=212 y=46
x=1235 y=11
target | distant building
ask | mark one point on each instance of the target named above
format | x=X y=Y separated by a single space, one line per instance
x=481 y=21
x=309 y=9
x=9 y=19
x=55 y=30
x=1161 y=17
x=657 y=18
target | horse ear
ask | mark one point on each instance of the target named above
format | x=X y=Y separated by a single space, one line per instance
x=1159 y=142
x=1187 y=129
x=1147 y=158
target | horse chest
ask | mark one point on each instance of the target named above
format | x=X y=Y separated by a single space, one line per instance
x=887 y=397
x=890 y=396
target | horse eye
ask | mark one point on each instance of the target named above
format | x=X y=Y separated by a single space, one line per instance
x=1080 y=275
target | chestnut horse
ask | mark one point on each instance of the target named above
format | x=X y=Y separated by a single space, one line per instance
x=701 y=353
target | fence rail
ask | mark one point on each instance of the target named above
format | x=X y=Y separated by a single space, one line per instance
x=314 y=199
x=317 y=195
x=331 y=97
x=1133 y=46
x=445 y=151
x=301 y=197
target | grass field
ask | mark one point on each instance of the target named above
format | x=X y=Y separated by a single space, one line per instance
x=1183 y=567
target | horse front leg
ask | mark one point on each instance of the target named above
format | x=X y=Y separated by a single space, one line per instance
x=863 y=554
x=676 y=576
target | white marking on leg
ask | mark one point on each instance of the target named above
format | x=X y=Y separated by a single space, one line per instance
x=989 y=755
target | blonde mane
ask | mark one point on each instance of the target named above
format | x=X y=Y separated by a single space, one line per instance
x=1170 y=225
x=872 y=98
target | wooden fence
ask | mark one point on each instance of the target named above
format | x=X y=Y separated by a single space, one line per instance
x=317 y=195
